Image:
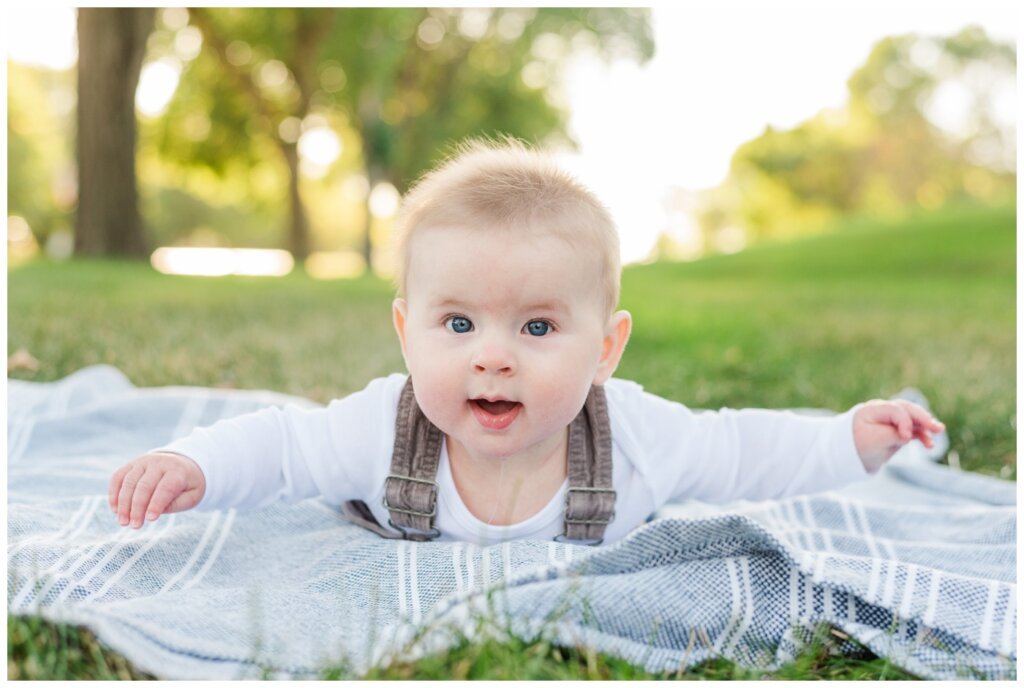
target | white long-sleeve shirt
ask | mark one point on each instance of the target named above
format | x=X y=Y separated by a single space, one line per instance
x=661 y=451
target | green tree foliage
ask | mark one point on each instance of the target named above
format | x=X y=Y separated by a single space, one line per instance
x=398 y=85
x=894 y=146
x=40 y=155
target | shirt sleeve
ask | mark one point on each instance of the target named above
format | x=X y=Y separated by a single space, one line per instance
x=719 y=456
x=293 y=453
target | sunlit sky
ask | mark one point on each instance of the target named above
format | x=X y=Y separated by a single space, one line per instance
x=722 y=71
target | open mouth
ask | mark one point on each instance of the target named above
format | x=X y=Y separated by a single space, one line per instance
x=495 y=408
x=495 y=415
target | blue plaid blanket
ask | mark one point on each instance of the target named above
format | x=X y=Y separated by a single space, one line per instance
x=918 y=564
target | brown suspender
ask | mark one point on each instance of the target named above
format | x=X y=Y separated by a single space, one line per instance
x=410 y=490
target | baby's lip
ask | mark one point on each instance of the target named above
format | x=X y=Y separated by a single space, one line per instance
x=492 y=398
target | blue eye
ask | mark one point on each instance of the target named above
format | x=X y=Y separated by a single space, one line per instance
x=458 y=325
x=538 y=328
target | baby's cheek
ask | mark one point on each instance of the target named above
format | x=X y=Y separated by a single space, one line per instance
x=437 y=392
x=560 y=393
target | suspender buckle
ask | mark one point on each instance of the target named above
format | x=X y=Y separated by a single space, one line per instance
x=588 y=522
x=412 y=512
x=407 y=532
x=584 y=493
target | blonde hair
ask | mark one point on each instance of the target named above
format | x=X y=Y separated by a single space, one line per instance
x=506 y=185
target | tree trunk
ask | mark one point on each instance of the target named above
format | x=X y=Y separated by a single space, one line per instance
x=298 y=227
x=111 y=45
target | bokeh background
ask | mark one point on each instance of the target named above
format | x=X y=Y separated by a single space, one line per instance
x=706 y=128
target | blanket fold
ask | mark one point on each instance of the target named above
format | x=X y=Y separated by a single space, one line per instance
x=918 y=564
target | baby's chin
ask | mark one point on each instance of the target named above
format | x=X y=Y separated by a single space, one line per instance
x=498 y=449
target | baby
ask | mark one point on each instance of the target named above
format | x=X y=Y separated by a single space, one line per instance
x=508 y=279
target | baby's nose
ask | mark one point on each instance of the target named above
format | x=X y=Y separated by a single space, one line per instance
x=493 y=359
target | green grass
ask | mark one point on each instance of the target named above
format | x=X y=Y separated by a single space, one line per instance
x=824 y=322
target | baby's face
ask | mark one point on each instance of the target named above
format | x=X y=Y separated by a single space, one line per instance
x=492 y=316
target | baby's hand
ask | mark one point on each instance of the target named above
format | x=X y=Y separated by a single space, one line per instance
x=882 y=427
x=154 y=484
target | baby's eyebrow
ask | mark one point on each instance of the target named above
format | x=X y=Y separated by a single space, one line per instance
x=547 y=305
x=552 y=305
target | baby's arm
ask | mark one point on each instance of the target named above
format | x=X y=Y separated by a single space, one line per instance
x=244 y=462
x=732 y=454
x=155 y=484
x=253 y=460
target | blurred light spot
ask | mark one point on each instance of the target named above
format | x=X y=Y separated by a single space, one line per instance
x=311 y=170
x=60 y=244
x=335 y=264
x=188 y=42
x=63 y=101
x=238 y=53
x=978 y=183
x=924 y=54
x=548 y=46
x=430 y=33
x=157 y=84
x=272 y=74
x=1003 y=101
x=356 y=187
x=730 y=239
x=174 y=18
x=986 y=152
x=585 y=41
x=18 y=231
x=332 y=77
x=64 y=187
x=535 y=75
x=473 y=22
x=949 y=108
x=320 y=146
x=44 y=36
x=897 y=76
x=511 y=24
x=216 y=262
x=314 y=121
x=384 y=200
x=290 y=129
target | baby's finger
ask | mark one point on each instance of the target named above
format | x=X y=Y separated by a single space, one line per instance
x=898 y=416
x=171 y=485
x=924 y=437
x=922 y=418
x=115 y=485
x=124 y=496
x=143 y=493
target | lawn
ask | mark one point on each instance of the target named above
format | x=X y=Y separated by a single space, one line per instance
x=823 y=322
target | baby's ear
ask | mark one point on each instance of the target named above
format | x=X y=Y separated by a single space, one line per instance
x=399 y=309
x=612 y=346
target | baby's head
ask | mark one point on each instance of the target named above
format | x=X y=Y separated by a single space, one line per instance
x=508 y=278
x=509 y=188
